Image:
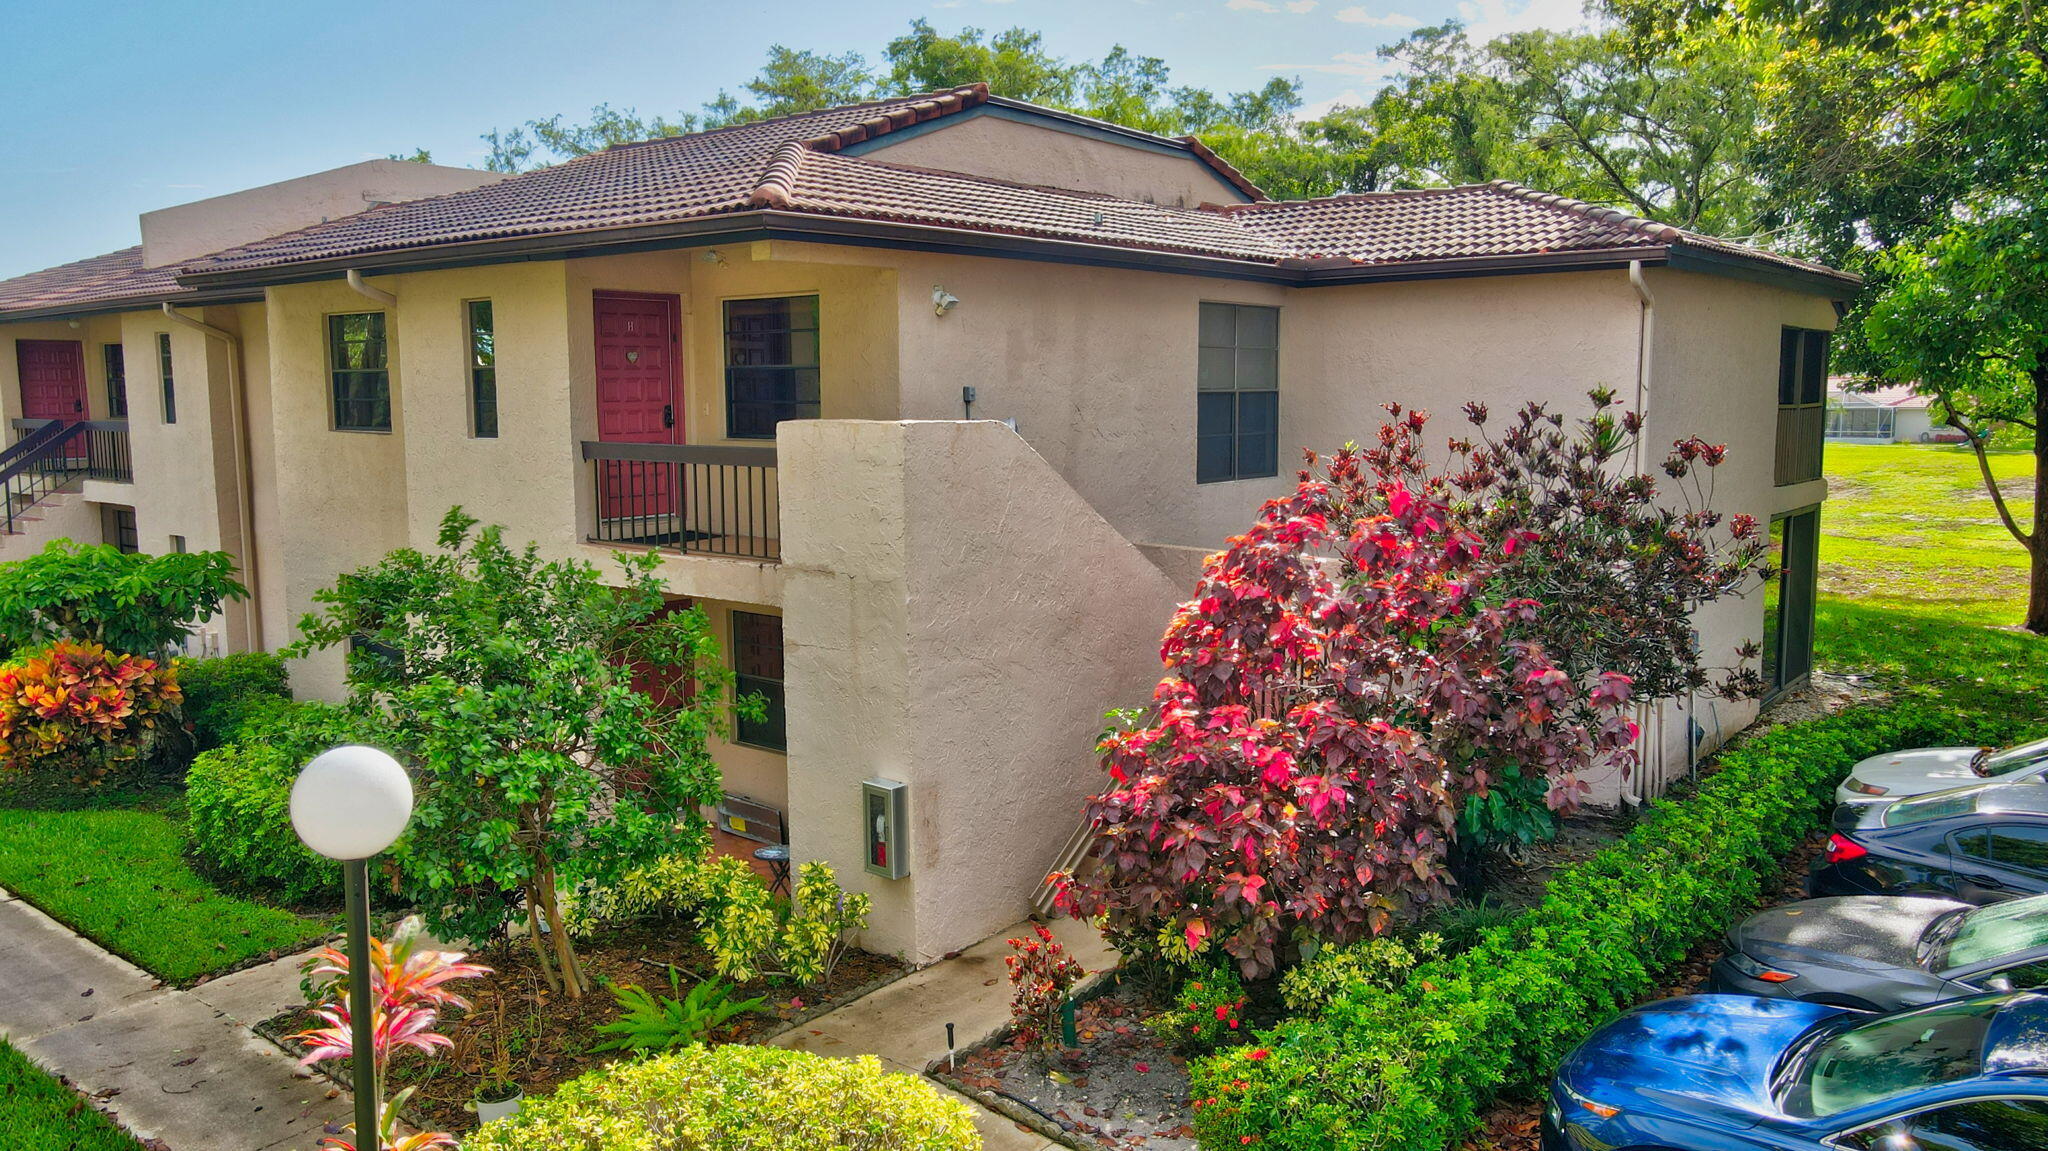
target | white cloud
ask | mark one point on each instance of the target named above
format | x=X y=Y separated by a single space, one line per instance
x=1301 y=7
x=1359 y=15
x=1317 y=109
x=1298 y=7
x=1370 y=67
x=1486 y=20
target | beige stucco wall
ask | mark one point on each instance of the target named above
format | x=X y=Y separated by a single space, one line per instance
x=177 y=234
x=990 y=145
x=958 y=619
x=339 y=496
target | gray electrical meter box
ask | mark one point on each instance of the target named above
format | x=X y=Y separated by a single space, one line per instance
x=885 y=827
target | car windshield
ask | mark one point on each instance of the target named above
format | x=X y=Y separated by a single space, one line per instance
x=1996 y=931
x=2011 y=759
x=1837 y=1069
x=1940 y=805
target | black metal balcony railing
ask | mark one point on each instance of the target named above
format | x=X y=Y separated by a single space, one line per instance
x=697 y=499
x=99 y=452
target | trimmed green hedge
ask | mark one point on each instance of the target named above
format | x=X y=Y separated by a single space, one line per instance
x=221 y=695
x=738 y=1098
x=238 y=800
x=1414 y=1068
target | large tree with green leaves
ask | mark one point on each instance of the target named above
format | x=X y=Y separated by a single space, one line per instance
x=1906 y=142
x=507 y=684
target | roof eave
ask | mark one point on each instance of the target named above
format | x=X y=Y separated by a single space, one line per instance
x=1828 y=283
x=150 y=302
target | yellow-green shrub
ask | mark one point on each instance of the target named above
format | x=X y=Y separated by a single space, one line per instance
x=738 y=1098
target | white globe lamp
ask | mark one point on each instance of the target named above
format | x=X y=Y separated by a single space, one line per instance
x=351 y=802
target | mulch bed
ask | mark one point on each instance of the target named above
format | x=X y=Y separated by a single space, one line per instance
x=1121 y=1088
x=1513 y=1123
x=551 y=1035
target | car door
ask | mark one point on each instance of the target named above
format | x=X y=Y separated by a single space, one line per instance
x=2026 y=972
x=1999 y=861
x=2009 y=1124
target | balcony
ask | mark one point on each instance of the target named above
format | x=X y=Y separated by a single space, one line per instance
x=100 y=452
x=687 y=498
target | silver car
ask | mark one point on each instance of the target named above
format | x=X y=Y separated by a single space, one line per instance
x=1918 y=770
x=1885 y=952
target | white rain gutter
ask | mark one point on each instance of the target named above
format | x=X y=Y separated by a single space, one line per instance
x=355 y=280
x=245 y=509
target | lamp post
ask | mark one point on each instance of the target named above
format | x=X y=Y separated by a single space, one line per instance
x=350 y=803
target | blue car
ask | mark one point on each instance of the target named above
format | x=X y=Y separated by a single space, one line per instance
x=1736 y=1073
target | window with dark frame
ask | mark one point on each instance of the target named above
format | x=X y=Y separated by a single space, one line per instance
x=359 y=361
x=163 y=371
x=116 y=361
x=757 y=670
x=117 y=526
x=483 y=371
x=1802 y=404
x=771 y=364
x=1237 y=393
x=178 y=545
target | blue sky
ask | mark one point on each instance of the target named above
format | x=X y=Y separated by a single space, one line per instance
x=114 y=108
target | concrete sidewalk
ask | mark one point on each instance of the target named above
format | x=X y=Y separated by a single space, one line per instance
x=904 y=1024
x=170 y=1065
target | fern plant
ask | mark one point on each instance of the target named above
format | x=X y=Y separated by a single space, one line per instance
x=649 y=1023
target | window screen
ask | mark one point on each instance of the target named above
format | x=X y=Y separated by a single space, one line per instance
x=483 y=371
x=117 y=381
x=163 y=371
x=757 y=670
x=1802 y=410
x=1237 y=393
x=360 y=364
x=771 y=364
x=1788 y=599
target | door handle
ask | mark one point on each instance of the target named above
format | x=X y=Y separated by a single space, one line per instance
x=78 y=405
x=668 y=415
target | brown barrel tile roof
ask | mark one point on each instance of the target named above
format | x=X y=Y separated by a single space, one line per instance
x=795 y=165
x=86 y=283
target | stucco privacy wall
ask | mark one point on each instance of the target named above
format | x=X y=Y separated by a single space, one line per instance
x=988 y=142
x=959 y=619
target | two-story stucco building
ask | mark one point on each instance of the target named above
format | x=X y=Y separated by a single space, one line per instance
x=933 y=403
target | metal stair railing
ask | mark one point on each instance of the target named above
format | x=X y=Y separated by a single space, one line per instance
x=46 y=465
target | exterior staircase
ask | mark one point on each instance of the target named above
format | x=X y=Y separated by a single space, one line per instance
x=40 y=478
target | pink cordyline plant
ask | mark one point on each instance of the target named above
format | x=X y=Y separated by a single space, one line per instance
x=409 y=985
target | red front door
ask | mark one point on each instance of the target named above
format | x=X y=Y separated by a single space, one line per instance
x=52 y=379
x=639 y=401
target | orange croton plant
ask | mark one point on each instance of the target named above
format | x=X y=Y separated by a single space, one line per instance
x=81 y=710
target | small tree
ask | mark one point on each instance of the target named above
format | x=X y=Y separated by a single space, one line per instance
x=507 y=682
x=94 y=593
x=1365 y=659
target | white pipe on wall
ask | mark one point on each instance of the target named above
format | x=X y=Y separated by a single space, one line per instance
x=245 y=508
x=1646 y=330
x=355 y=280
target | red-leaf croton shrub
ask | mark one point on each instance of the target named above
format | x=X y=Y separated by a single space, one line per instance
x=1041 y=975
x=1381 y=646
x=74 y=715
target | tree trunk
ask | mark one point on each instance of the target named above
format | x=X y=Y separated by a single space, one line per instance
x=2037 y=546
x=540 y=952
x=571 y=970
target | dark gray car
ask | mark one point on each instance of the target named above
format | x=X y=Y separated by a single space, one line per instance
x=1885 y=952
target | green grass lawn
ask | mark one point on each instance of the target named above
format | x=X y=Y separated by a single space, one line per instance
x=120 y=878
x=37 y=1113
x=1920 y=583
x=1911 y=524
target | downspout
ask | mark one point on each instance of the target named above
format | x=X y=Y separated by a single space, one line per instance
x=245 y=507
x=1646 y=321
x=355 y=280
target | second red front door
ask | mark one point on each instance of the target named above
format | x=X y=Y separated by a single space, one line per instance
x=639 y=401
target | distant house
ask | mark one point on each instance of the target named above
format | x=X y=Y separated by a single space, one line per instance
x=1890 y=415
x=934 y=405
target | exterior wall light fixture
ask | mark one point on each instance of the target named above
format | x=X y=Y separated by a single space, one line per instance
x=943 y=301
